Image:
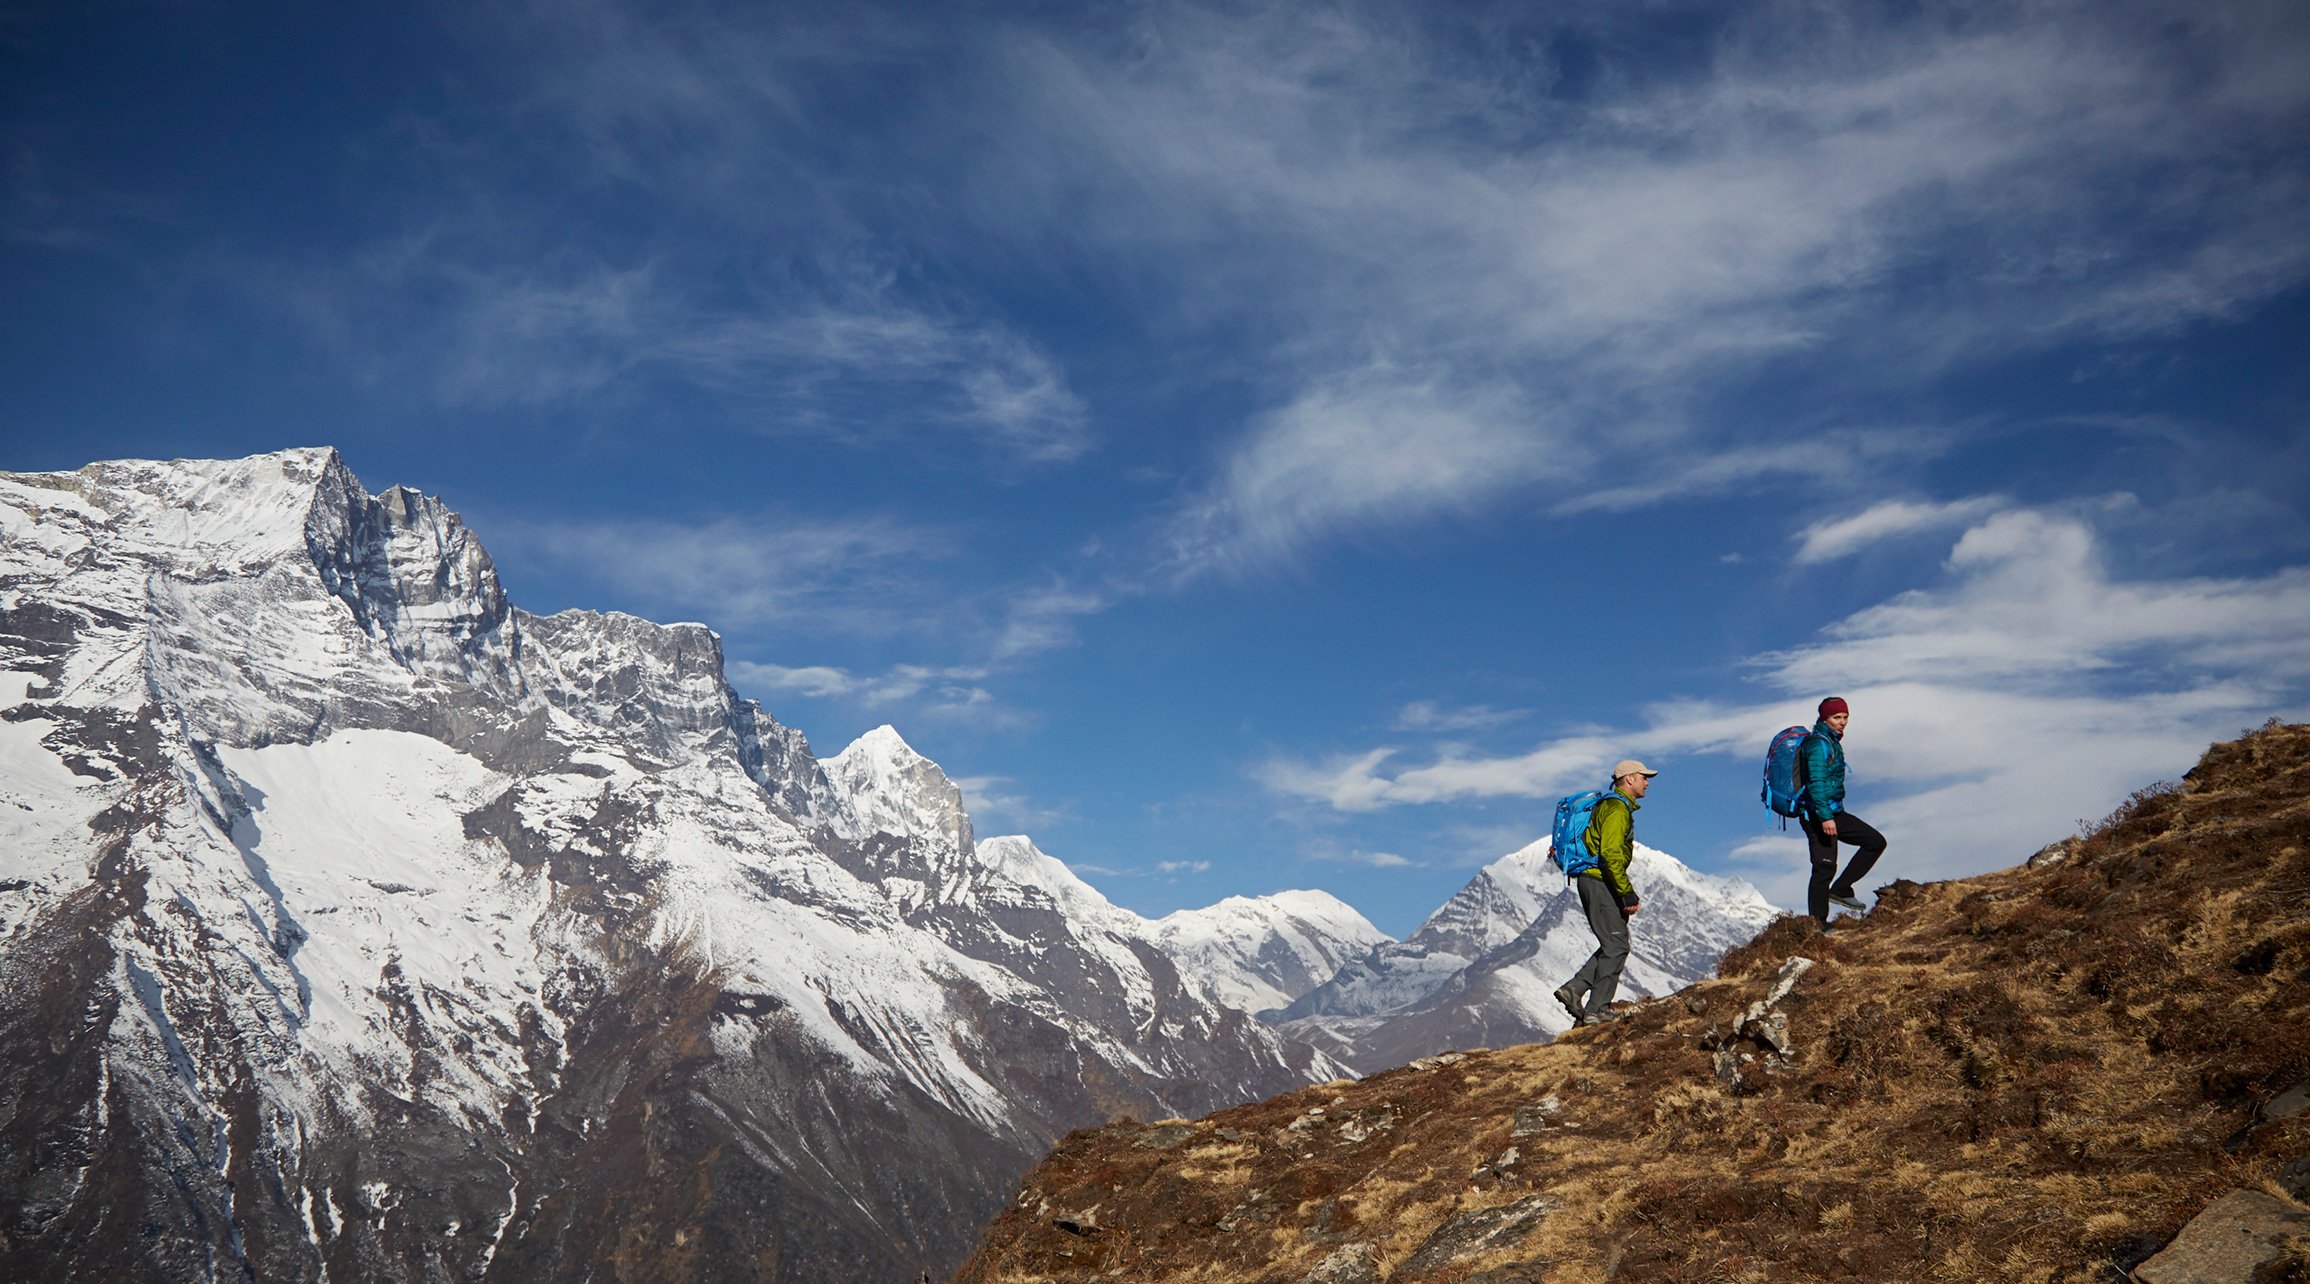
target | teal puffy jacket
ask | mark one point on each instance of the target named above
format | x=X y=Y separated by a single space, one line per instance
x=1822 y=759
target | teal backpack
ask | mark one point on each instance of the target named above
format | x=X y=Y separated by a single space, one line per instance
x=1784 y=790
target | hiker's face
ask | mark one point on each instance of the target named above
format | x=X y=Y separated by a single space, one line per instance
x=1634 y=786
x=1837 y=722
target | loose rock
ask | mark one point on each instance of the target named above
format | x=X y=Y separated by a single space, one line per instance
x=1353 y=1264
x=1531 y=1119
x=2289 y=1103
x=1164 y=1136
x=2234 y=1238
x=1474 y=1233
x=2054 y=853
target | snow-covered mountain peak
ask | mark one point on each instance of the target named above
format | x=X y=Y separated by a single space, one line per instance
x=895 y=790
x=1479 y=972
x=1261 y=952
x=1015 y=857
x=1494 y=905
x=209 y=516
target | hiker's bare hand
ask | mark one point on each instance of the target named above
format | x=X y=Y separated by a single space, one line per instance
x=1829 y=827
x=1633 y=908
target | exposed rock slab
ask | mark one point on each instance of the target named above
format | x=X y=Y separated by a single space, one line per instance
x=2234 y=1241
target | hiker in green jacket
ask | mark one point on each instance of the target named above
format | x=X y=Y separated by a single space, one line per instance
x=1607 y=896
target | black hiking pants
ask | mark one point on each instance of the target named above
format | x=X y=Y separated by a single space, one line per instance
x=1599 y=978
x=1852 y=830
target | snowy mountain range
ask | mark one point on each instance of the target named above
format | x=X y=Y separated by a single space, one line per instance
x=357 y=924
x=1481 y=970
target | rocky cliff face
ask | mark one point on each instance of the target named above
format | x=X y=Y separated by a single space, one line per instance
x=2093 y=1067
x=356 y=924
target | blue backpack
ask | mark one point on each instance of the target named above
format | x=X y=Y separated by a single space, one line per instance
x=1568 y=842
x=1784 y=790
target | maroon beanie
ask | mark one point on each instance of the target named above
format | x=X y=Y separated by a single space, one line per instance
x=1833 y=705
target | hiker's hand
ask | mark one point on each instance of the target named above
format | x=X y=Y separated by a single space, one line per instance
x=1829 y=827
x=1634 y=906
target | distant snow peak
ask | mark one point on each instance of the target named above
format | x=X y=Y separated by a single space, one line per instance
x=895 y=790
x=1015 y=857
x=1480 y=971
x=1259 y=953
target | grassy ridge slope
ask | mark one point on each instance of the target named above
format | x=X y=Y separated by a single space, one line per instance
x=2036 y=1074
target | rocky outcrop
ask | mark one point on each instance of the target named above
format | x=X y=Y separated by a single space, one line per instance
x=2243 y=1236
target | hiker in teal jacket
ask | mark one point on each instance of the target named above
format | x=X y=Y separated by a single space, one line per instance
x=1607 y=896
x=1821 y=773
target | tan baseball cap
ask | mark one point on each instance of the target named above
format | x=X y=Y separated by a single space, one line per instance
x=1631 y=767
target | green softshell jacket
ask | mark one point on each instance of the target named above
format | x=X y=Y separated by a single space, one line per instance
x=1612 y=837
x=1822 y=757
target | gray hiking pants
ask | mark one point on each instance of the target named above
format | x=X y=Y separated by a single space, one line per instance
x=1599 y=977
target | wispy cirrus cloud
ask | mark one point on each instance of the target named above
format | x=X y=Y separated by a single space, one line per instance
x=1329 y=853
x=947 y=692
x=856 y=361
x=859 y=575
x=626 y=207
x=1476 y=282
x=996 y=804
x=1841 y=537
x=1429 y=716
x=1042 y=618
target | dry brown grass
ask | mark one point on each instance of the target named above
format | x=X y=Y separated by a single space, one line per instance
x=2030 y=1075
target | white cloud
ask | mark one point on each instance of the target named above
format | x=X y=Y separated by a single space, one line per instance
x=1334 y=854
x=819 y=682
x=1355 y=782
x=1347 y=784
x=858 y=361
x=1428 y=716
x=1776 y=865
x=2029 y=604
x=1843 y=536
x=2029 y=690
x=994 y=803
x=1043 y=619
x=951 y=692
x=1375 y=447
x=1183 y=866
x=827 y=360
x=1474 y=285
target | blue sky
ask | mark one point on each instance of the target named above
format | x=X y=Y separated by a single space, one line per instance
x=1264 y=445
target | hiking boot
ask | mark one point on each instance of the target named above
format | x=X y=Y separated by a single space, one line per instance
x=1606 y=1017
x=1571 y=1003
x=1848 y=900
